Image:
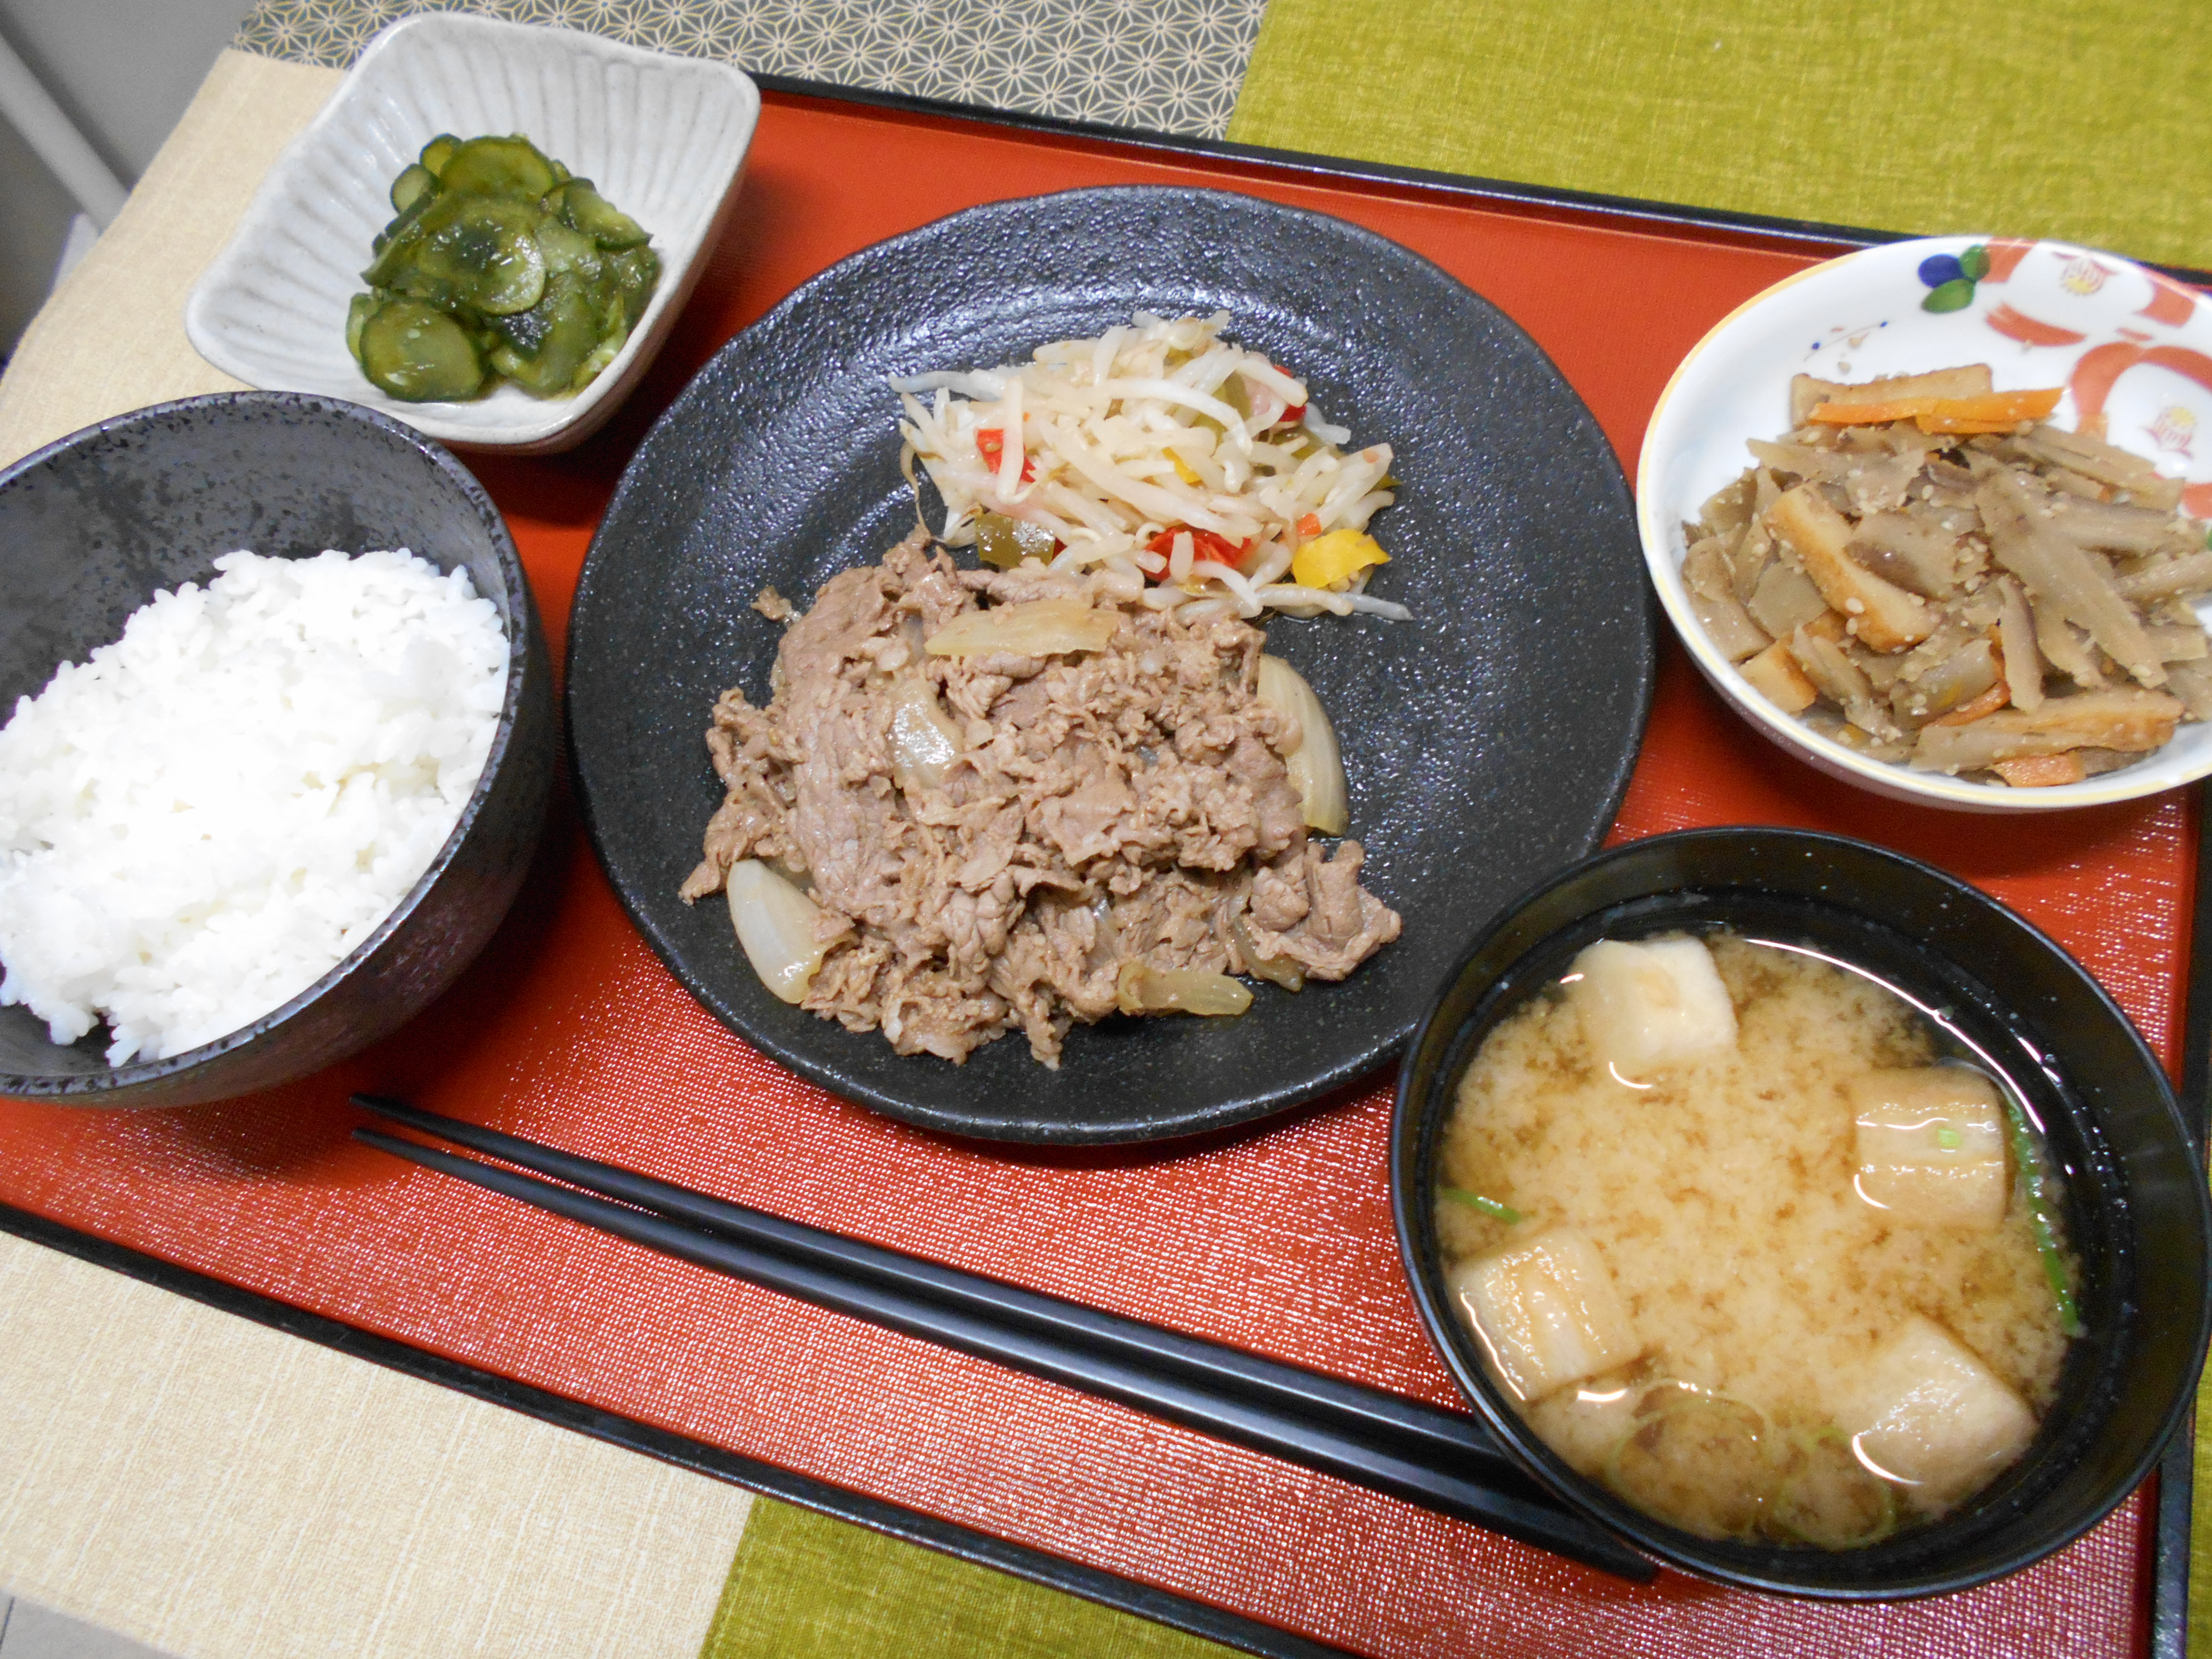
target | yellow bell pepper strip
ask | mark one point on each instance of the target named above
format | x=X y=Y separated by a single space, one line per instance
x=1330 y=561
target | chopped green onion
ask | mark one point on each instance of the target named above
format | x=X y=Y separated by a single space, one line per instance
x=1947 y=1138
x=2054 y=1269
x=1489 y=1207
x=2025 y=1154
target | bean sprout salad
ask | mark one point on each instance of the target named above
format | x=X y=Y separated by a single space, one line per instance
x=1197 y=472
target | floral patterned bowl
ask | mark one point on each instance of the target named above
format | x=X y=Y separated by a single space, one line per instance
x=2127 y=343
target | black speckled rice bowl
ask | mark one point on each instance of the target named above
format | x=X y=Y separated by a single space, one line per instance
x=93 y=526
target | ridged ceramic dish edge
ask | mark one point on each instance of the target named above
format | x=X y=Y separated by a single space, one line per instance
x=662 y=136
x=2135 y=344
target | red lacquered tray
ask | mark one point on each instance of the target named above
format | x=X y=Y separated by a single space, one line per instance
x=568 y=1032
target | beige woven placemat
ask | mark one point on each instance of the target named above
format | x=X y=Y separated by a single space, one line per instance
x=112 y=337
x=222 y=1491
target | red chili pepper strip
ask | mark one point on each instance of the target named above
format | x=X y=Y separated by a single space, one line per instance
x=991 y=445
x=1291 y=416
x=1205 y=545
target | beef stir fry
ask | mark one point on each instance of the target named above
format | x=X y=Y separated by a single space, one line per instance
x=955 y=820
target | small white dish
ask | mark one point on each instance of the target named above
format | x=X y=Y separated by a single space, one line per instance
x=663 y=137
x=2125 y=343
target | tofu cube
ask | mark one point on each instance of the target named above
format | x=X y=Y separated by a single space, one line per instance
x=1930 y=1416
x=1585 y=1423
x=1888 y=619
x=1931 y=1145
x=1652 y=1005
x=1546 y=1312
x=1775 y=675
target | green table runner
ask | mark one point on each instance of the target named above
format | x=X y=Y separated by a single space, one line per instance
x=2085 y=121
x=807 y=1587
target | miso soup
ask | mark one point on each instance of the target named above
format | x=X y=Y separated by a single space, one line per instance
x=1754 y=1241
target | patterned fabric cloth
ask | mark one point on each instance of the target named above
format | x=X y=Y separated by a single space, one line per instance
x=1170 y=66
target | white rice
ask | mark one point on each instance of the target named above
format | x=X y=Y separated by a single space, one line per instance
x=204 y=817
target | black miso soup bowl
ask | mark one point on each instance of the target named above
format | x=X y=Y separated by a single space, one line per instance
x=94 y=525
x=2136 y=1198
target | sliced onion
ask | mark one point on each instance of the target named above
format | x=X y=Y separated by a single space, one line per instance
x=924 y=740
x=1040 y=628
x=776 y=925
x=1142 y=989
x=1315 y=766
x=1276 y=971
x=1106 y=943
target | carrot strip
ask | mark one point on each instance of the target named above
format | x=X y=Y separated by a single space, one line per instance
x=1987 y=703
x=2002 y=408
x=2041 y=771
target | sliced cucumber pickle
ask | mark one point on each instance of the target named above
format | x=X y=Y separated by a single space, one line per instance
x=419 y=355
x=568 y=250
x=411 y=186
x=586 y=211
x=545 y=347
x=438 y=152
x=635 y=271
x=483 y=255
x=498 y=262
x=398 y=230
x=498 y=167
x=356 y=314
x=609 y=348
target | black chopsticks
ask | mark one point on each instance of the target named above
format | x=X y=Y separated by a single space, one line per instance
x=1436 y=1459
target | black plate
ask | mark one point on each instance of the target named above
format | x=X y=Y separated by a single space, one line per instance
x=1487 y=741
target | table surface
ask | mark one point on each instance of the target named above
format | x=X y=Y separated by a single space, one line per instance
x=252 y=98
